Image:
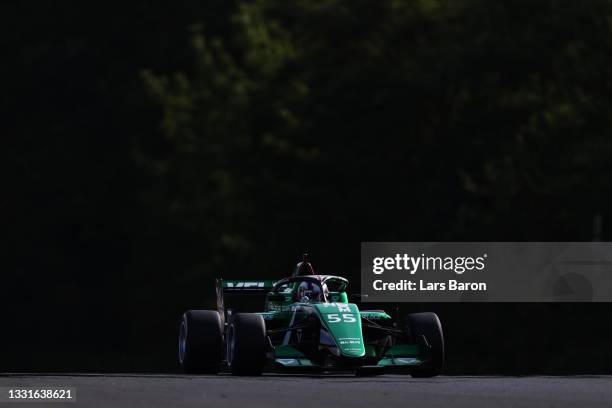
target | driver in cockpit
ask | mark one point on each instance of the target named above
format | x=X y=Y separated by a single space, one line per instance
x=310 y=292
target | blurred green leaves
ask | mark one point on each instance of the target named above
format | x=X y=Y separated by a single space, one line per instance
x=306 y=114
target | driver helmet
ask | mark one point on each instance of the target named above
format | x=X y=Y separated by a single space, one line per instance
x=310 y=292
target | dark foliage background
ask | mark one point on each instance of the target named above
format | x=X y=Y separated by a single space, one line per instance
x=150 y=147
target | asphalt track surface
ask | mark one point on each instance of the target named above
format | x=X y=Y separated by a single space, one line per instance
x=133 y=390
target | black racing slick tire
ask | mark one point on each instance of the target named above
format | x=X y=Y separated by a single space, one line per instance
x=425 y=329
x=247 y=344
x=201 y=342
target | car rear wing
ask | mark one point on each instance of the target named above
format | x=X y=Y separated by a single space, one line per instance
x=246 y=286
x=241 y=287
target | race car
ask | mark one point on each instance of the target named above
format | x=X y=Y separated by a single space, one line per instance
x=307 y=324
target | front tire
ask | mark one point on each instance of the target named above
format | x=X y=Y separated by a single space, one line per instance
x=246 y=344
x=201 y=342
x=425 y=329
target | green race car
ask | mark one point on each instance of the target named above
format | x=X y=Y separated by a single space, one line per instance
x=307 y=324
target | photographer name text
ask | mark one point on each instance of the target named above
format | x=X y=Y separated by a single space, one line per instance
x=422 y=263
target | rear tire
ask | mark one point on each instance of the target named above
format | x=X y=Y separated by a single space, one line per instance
x=201 y=342
x=427 y=325
x=246 y=344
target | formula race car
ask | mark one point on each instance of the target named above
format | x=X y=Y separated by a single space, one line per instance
x=307 y=325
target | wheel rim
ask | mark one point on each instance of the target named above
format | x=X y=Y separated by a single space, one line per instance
x=182 y=341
